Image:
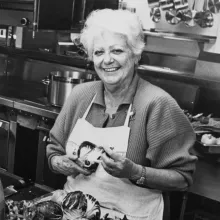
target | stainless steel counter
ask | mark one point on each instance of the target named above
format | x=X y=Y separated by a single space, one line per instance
x=6 y=101
x=23 y=105
x=26 y=96
x=38 y=109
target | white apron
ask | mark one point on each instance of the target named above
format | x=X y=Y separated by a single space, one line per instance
x=117 y=196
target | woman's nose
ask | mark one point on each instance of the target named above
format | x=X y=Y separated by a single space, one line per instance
x=107 y=58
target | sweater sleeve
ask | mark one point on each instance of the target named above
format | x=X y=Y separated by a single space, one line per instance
x=170 y=138
x=72 y=109
x=58 y=134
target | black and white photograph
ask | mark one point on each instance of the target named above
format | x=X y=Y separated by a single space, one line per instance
x=109 y=109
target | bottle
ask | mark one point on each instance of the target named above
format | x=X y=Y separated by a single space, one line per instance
x=2 y=202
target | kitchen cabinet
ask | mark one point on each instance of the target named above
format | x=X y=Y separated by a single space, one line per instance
x=3 y=62
x=207 y=179
x=8 y=128
x=44 y=175
x=30 y=150
x=37 y=14
x=25 y=156
x=4 y=142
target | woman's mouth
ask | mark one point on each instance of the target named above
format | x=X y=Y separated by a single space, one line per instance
x=111 y=69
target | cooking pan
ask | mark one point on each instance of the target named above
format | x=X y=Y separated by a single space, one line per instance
x=59 y=84
x=155 y=14
x=191 y=16
x=207 y=19
x=175 y=15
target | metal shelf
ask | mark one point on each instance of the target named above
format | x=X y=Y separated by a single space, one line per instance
x=158 y=69
x=44 y=56
x=179 y=36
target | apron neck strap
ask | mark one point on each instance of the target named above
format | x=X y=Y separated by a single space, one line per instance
x=129 y=114
x=87 y=110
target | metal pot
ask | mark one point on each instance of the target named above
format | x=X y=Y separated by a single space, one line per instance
x=155 y=14
x=59 y=84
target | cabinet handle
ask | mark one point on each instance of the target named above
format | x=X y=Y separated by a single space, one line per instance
x=45 y=138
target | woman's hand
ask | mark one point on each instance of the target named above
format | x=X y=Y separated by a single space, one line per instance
x=65 y=165
x=119 y=166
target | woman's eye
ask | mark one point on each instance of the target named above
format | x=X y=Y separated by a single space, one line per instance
x=117 y=51
x=98 y=53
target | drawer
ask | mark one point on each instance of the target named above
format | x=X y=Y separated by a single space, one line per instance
x=4 y=141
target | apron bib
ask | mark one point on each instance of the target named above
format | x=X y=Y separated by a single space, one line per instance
x=117 y=196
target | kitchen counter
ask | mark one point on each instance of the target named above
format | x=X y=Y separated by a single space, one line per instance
x=24 y=106
x=26 y=96
x=38 y=109
x=206 y=178
x=28 y=193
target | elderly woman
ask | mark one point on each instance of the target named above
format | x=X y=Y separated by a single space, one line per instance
x=144 y=133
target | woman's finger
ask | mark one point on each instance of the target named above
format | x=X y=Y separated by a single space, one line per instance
x=113 y=155
x=82 y=170
x=67 y=167
x=107 y=160
x=107 y=168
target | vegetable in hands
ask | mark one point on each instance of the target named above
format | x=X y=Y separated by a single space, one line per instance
x=63 y=164
x=77 y=205
x=120 y=166
x=89 y=155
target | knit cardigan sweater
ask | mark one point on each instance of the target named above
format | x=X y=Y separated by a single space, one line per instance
x=161 y=136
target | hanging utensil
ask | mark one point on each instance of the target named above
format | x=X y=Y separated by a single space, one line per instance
x=155 y=14
x=166 y=4
x=172 y=14
x=189 y=16
x=155 y=10
x=211 y=6
x=171 y=17
x=162 y=3
x=181 y=9
x=217 y=5
x=181 y=5
x=177 y=4
x=153 y=3
x=207 y=17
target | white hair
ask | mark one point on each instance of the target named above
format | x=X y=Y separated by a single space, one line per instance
x=119 y=21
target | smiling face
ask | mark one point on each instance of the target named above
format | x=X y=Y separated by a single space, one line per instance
x=113 y=60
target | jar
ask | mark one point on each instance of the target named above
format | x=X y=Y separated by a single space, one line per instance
x=2 y=202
